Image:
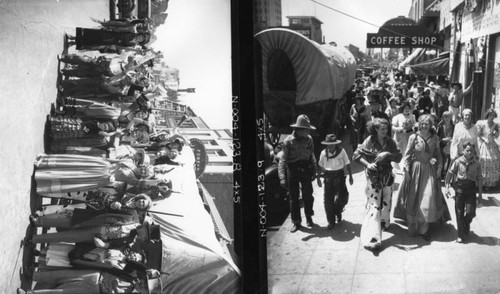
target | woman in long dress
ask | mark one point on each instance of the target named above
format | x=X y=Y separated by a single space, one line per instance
x=376 y=154
x=62 y=173
x=489 y=155
x=360 y=115
x=445 y=131
x=465 y=131
x=402 y=126
x=420 y=200
x=69 y=135
x=92 y=39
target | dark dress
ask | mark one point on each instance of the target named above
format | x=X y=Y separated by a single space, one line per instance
x=70 y=135
x=88 y=39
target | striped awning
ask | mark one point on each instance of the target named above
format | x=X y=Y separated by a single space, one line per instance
x=417 y=56
x=434 y=67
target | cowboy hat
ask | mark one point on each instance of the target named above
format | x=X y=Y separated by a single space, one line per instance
x=331 y=139
x=303 y=122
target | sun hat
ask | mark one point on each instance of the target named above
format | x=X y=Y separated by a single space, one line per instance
x=331 y=139
x=145 y=158
x=303 y=122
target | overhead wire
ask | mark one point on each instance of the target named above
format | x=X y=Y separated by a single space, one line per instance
x=384 y=28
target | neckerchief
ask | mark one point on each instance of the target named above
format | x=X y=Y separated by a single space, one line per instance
x=337 y=152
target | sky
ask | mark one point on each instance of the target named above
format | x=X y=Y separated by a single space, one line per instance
x=196 y=39
x=343 y=29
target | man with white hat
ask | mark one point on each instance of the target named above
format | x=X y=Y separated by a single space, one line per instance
x=297 y=169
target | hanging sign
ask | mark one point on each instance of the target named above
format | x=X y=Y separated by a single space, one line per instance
x=398 y=41
x=402 y=32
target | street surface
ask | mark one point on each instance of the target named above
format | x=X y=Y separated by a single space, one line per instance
x=31 y=37
x=316 y=260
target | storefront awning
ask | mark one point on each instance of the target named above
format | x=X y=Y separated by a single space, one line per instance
x=436 y=67
x=417 y=56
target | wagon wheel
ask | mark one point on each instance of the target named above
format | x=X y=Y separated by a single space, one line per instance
x=274 y=138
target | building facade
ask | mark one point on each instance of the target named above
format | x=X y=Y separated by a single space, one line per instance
x=471 y=30
x=267 y=14
x=217 y=178
x=309 y=26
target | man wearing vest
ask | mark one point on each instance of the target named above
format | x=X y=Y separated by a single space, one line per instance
x=297 y=169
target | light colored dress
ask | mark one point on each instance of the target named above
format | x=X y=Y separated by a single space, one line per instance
x=461 y=135
x=420 y=200
x=399 y=122
x=69 y=172
x=489 y=153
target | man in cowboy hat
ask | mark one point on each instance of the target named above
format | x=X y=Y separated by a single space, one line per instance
x=332 y=161
x=300 y=165
x=456 y=98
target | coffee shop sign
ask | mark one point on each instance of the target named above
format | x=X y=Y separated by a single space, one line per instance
x=385 y=41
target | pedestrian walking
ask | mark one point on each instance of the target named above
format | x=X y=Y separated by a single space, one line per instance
x=465 y=131
x=489 y=154
x=445 y=131
x=420 y=200
x=465 y=177
x=332 y=162
x=376 y=154
x=360 y=115
x=402 y=126
x=297 y=169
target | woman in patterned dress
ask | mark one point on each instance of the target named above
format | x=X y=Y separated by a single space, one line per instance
x=376 y=154
x=420 y=200
x=489 y=154
x=85 y=137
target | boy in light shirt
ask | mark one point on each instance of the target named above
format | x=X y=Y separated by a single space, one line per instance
x=465 y=175
x=332 y=161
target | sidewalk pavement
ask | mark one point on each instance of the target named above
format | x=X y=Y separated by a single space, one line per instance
x=317 y=260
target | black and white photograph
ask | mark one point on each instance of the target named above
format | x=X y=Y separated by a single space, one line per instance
x=261 y=146
x=117 y=148
x=382 y=145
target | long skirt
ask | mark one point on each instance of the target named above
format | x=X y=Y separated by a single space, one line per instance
x=57 y=255
x=69 y=281
x=59 y=173
x=90 y=38
x=489 y=156
x=94 y=110
x=378 y=211
x=420 y=200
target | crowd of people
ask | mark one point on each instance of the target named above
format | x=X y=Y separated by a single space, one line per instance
x=105 y=166
x=421 y=132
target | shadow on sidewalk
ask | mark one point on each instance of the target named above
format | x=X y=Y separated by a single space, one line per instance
x=482 y=240
x=490 y=201
x=343 y=232
x=402 y=240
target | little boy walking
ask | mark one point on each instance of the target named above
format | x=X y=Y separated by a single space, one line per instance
x=465 y=173
x=332 y=161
